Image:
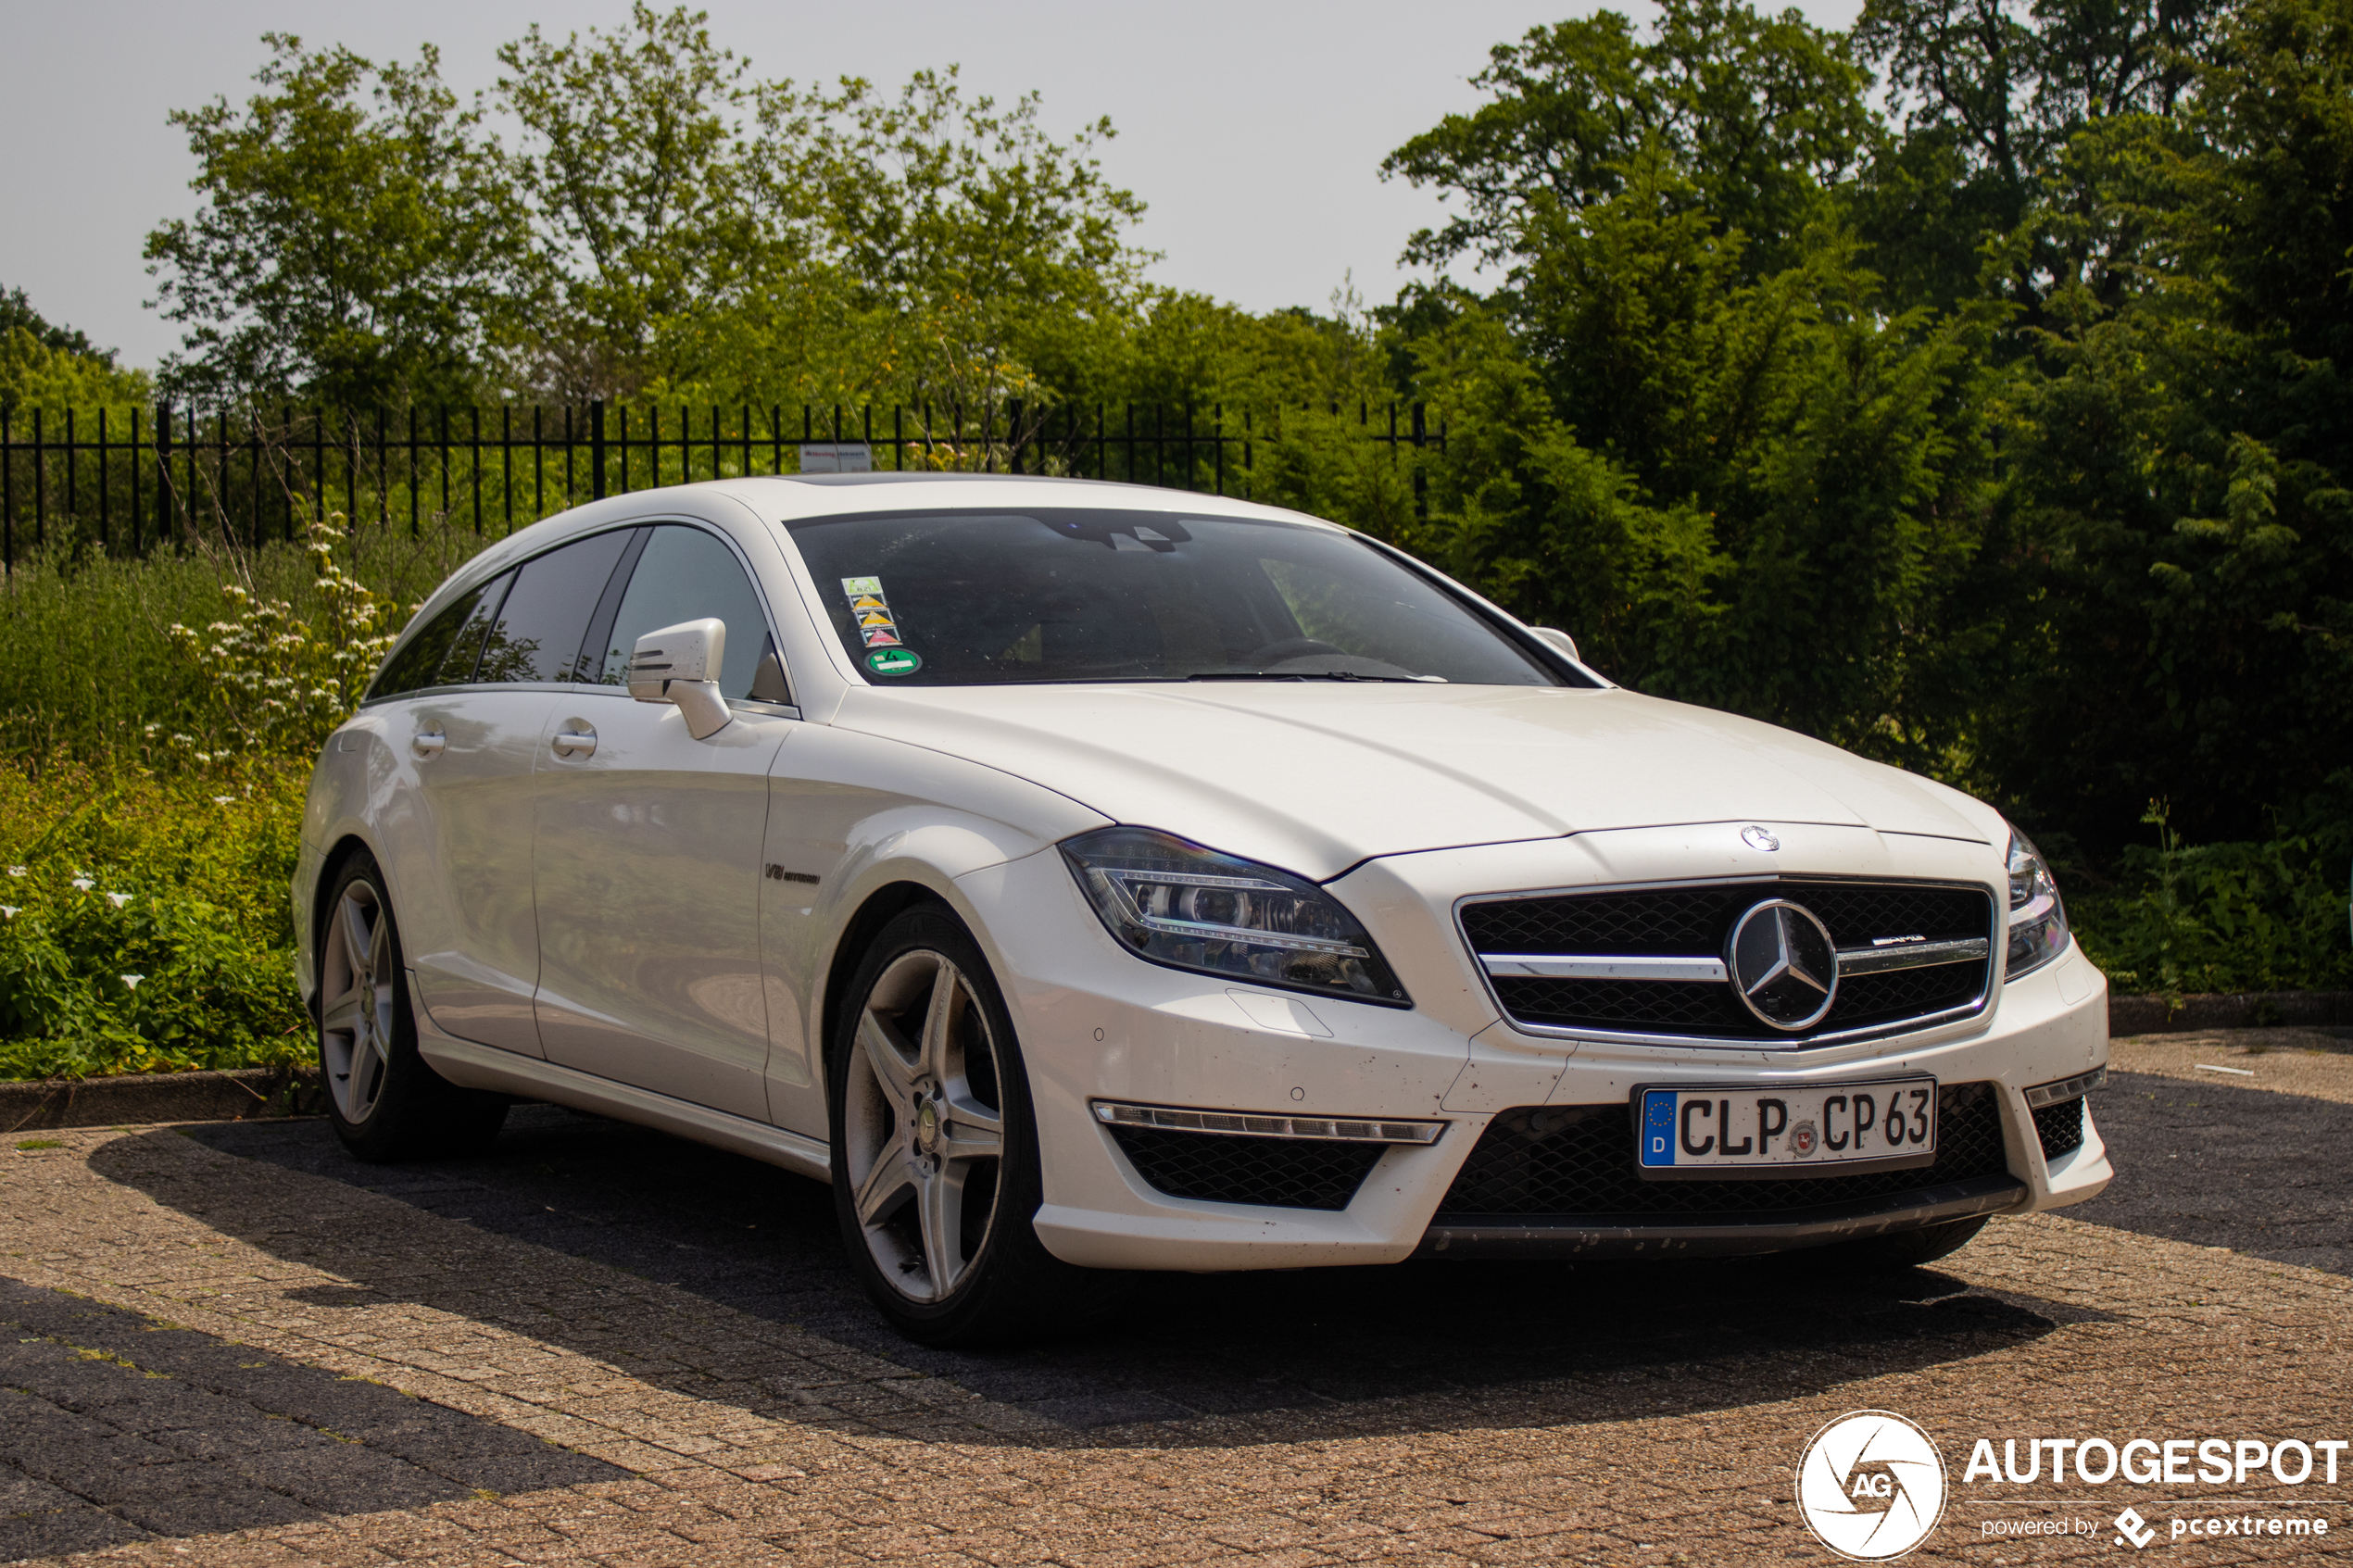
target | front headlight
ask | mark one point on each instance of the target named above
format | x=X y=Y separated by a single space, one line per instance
x=2037 y=918
x=1189 y=907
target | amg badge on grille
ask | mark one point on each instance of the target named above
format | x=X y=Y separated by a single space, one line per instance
x=1783 y=965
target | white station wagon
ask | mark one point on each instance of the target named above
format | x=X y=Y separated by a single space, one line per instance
x=1092 y=877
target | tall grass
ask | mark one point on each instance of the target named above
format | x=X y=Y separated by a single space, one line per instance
x=85 y=663
x=145 y=921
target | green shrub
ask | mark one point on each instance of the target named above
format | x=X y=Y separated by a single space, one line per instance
x=2221 y=917
x=144 y=923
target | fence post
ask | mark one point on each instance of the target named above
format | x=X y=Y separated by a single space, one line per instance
x=40 y=485
x=163 y=471
x=8 y=494
x=1421 y=480
x=597 y=450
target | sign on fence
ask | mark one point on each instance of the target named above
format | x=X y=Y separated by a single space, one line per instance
x=837 y=456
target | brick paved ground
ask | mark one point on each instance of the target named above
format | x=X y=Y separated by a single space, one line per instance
x=651 y=1413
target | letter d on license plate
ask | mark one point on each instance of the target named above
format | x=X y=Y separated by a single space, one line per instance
x=1784 y=1129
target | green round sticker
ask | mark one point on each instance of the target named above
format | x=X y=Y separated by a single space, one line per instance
x=894 y=662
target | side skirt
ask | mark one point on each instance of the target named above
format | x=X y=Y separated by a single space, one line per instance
x=487 y=1067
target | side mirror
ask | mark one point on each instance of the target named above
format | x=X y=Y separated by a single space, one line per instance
x=1558 y=639
x=681 y=664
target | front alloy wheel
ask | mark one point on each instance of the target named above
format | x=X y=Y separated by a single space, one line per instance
x=934 y=1146
x=925 y=1136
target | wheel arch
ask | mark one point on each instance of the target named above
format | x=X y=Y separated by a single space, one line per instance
x=330 y=864
x=881 y=906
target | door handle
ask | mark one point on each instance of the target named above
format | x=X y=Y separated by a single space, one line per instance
x=575 y=743
x=429 y=744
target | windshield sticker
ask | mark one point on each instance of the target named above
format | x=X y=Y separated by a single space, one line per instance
x=876 y=626
x=894 y=662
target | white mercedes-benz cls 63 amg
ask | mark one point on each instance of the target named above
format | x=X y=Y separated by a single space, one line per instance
x=1088 y=878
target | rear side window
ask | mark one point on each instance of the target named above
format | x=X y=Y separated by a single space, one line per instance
x=444 y=653
x=686 y=574
x=539 y=630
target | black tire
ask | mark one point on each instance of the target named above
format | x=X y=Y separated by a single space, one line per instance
x=385 y=1101
x=1908 y=1249
x=912 y=1120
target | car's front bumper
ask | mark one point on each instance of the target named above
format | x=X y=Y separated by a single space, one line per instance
x=1098 y=1024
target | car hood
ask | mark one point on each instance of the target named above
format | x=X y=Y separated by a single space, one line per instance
x=1316 y=777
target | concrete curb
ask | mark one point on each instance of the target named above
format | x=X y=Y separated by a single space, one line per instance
x=160 y=1096
x=2236 y=1010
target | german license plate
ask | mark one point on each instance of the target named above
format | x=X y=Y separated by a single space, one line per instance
x=1786 y=1129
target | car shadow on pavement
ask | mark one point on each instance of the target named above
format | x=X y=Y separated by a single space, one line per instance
x=1323 y=1350
x=2255 y=1170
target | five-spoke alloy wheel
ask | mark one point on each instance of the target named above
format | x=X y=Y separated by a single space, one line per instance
x=924 y=1130
x=356 y=993
x=385 y=1099
x=934 y=1150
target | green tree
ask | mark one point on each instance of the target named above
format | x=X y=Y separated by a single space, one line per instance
x=1761 y=114
x=1989 y=99
x=2184 y=461
x=645 y=220
x=357 y=242
x=54 y=368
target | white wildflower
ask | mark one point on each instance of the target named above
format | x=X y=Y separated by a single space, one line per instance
x=10 y=911
x=132 y=980
x=118 y=899
x=84 y=884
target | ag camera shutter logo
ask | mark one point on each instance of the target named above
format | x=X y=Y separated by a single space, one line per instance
x=1871 y=1485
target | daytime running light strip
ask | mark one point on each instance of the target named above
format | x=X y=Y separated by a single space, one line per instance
x=1327 y=1129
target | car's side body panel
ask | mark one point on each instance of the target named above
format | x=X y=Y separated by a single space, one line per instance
x=860 y=814
x=648 y=873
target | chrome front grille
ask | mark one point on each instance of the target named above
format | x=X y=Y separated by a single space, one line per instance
x=1650 y=963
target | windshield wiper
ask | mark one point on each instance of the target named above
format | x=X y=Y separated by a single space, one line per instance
x=1299 y=675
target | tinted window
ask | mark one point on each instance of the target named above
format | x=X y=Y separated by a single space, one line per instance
x=540 y=629
x=450 y=641
x=685 y=574
x=465 y=652
x=967 y=598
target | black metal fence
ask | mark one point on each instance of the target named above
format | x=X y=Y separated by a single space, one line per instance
x=124 y=481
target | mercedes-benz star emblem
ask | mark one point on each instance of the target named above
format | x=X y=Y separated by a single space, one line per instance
x=1783 y=966
x=1759 y=838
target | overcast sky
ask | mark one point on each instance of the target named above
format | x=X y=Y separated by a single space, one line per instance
x=1254 y=131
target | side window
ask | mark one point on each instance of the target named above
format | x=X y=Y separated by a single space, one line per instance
x=538 y=633
x=685 y=574
x=466 y=651
x=448 y=642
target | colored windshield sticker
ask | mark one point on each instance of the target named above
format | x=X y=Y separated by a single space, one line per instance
x=893 y=661
x=872 y=611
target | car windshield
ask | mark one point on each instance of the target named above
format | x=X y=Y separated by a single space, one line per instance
x=961 y=598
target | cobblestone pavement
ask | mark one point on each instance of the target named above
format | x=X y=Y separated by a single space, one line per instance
x=602 y=1346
